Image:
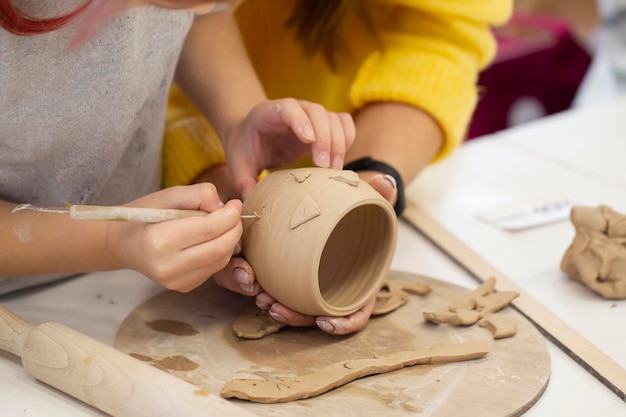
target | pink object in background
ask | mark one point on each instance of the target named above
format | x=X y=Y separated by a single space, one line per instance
x=537 y=71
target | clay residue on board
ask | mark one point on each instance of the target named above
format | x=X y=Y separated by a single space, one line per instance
x=480 y=303
x=255 y=323
x=396 y=399
x=306 y=210
x=169 y=363
x=276 y=390
x=177 y=328
x=347 y=177
x=597 y=255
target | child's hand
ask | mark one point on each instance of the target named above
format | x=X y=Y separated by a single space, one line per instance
x=279 y=132
x=332 y=325
x=179 y=254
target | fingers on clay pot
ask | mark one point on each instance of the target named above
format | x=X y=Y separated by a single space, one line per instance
x=323 y=240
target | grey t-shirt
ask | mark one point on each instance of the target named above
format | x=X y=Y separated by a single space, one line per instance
x=85 y=126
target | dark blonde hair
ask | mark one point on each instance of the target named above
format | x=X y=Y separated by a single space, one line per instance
x=316 y=23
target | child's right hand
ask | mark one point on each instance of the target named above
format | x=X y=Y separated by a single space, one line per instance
x=179 y=254
x=279 y=132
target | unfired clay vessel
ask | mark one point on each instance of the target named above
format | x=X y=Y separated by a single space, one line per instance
x=323 y=240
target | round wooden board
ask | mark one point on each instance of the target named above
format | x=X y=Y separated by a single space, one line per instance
x=190 y=336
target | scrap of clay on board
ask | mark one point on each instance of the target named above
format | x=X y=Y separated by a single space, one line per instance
x=479 y=305
x=255 y=323
x=394 y=294
x=277 y=390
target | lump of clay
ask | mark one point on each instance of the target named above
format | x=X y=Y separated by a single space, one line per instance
x=597 y=255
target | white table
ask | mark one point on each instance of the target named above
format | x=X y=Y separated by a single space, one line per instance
x=577 y=155
x=483 y=174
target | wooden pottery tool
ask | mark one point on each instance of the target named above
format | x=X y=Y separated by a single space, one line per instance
x=128 y=214
x=102 y=376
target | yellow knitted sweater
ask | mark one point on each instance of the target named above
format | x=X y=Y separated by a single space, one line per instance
x=425 y=53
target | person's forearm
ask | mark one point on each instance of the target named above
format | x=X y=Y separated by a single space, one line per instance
x=215 y=73
x=33 y=243
x=401 y=135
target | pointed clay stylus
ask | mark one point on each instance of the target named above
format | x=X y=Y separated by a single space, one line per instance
x=129 y=214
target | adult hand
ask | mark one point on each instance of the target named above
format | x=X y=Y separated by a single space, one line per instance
x=238 y=277
x=385 y=184
x=278 y=132
x=179 y=254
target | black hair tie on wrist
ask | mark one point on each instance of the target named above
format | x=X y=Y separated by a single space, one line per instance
x=369 y=164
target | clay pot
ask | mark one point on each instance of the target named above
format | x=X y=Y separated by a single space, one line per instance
x=323 y=241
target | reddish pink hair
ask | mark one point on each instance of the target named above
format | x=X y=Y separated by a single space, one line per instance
x=92 y=16
x=13 y=20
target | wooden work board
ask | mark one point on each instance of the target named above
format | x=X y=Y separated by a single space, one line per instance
x=190 y=336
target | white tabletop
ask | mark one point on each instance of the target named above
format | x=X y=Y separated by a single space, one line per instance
x=576 y=155
x=524 y=163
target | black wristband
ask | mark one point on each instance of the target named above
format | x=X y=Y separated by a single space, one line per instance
x=369 y=164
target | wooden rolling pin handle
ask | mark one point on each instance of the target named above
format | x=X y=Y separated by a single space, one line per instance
x=12 y=329
x=104 y=377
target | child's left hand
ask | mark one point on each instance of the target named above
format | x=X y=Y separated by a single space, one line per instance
x=278 y=132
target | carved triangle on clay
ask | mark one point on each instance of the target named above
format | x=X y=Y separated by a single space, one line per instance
x=306 y=210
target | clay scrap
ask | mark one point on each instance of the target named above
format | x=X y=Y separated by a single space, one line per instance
x=597 y=255
x=499 y=326
x=394 y=294
x=255 y=323
x=284 y=389
x=480 y=304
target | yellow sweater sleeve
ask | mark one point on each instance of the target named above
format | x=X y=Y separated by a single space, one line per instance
x=427 y=53
x=431 y=55
x=190 y=145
